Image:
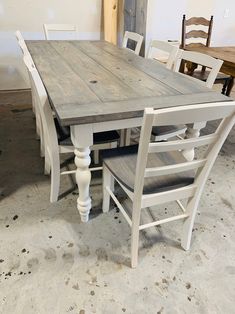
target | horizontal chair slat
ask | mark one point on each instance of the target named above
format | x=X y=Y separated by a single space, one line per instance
x=163 y=221
x=159 y=147
x=168 y=196
x=172 y=169
x=196 y=34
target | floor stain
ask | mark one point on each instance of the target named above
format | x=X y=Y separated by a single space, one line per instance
x=101 y=254
x=227 y=202
x=50 y=255
x=32 y=262
x=84 y=251
x=75 y=287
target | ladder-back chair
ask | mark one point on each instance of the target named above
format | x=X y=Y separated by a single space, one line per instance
x=203 y=38
x=154 y=173
x=134 y=37
x=54 y=147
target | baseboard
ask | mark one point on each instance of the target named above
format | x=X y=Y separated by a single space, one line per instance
x=16 y=97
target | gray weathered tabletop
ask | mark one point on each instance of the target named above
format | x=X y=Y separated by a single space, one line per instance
x=94 y=81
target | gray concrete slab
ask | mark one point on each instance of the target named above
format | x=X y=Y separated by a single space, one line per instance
x=50 y=262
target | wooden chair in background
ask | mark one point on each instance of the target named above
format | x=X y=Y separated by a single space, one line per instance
x=157 y=172
x=204 y=36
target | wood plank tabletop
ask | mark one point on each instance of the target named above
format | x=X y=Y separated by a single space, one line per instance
x=94 y=81
x=227 y=54
x=223 y=53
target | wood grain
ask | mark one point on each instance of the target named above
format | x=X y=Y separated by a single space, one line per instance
x=90 y=82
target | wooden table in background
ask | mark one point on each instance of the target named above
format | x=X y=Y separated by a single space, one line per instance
x=96 y=86
x=227 y=54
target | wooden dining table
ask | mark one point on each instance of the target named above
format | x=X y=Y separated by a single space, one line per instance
x=94 y=86
x=227 y=54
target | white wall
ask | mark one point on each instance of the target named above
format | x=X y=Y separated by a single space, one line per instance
x=165 y=18
x=28 y=16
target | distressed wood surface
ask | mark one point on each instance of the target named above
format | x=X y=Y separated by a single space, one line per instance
x=95 y=81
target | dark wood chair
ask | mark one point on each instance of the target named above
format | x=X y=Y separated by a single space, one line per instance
x=205 y=39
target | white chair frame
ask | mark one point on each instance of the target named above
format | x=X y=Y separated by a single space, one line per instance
x=26 y=54
x=201 y=166
x=166 y=47
x=135 y=37
x=58 y=28
x=125 y=134
x=51 y=146
x=200 y=59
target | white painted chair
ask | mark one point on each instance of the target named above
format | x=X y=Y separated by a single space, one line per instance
x=166 y=132
x=23 y=46
x=53 y=148
x=157 y=47
x=26 y=53
x=59 y=28
x=201 y=59
x=157 y=172
x=125 y=134
x=137 y=38
x=170 y=52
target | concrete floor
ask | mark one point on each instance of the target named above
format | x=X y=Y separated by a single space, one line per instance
x=50 y=262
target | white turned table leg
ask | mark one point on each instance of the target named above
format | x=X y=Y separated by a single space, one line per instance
x=82 y=138
x=193 y=131
x=83 y=179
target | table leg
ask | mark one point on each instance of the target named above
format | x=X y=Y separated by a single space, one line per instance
x=82 y=138
x=193 y=131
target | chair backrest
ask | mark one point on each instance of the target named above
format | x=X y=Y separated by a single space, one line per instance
x=42 y=101
x=134 y=37
x=164 y=46
x=23 y=46
x=202 y=165
x=197 y=33
x=18 y=35
x=200 y=59
x=59 y=28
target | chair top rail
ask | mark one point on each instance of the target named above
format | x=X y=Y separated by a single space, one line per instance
x=60 y=27
x=158 y=147
x=192 y=113
x=19 y=35
x=200 y=58
x=133 y=36
x=198 y=21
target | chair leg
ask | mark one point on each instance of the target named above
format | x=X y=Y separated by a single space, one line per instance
x=122 y=138
x=42 y=144
x=108 y=181
x=135 y=235
x=55 y=180
x=96 y=157
x=188 y=224
x=128 y=137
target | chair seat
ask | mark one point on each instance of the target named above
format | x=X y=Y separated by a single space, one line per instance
x=203 y=75
x=99 y=138
x=169 y=129
x=122 y=164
